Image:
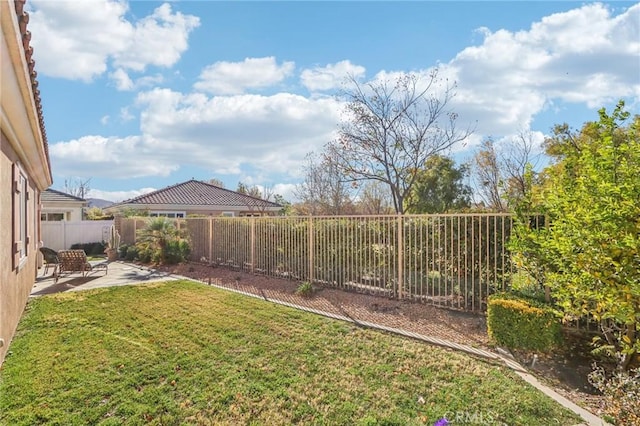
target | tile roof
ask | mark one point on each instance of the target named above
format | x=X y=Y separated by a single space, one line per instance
x=23 y=20
x=54 y=195
x=197 y=193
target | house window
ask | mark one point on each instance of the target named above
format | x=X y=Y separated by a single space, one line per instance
x=20 y=213
x=172 y=215
x=227 y=214
x=51 y=217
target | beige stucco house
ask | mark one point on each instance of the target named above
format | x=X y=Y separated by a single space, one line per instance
x=58 y=206
x=196 y=198
x=25 y=169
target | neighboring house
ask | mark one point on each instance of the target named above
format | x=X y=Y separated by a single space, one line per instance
x=58 y=206
x=25 y=169
x=196 y=198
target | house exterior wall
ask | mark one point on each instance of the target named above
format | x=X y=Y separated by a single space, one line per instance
x=15 y=284
x=22 y=149
x=72 y=211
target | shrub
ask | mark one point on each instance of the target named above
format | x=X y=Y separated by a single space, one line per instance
x=91 y=249
x=305 y=289
x=162 y=242
x=621 y=395
x=520 y=323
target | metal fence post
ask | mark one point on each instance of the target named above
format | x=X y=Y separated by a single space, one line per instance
x=252 y=242
x=400 y=245
x=310 y=250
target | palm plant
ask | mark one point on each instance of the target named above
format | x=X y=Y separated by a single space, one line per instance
x=162 y=242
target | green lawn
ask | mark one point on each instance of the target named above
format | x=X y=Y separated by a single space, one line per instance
x=184 y=353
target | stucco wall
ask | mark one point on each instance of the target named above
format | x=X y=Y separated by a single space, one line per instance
x=15 y=285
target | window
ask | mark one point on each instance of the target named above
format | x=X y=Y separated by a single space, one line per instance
x=51 y=217
x=172 y=215
x=227 y=214
x=20 y=213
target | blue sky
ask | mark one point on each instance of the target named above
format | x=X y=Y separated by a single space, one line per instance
x=140 y=95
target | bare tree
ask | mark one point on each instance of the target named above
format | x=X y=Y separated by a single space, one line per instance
x=391 y=128
x=501 y=173
x=77 y=188
x=324 y=190
x=488 y=176
x=375 y=199
x=257 y=195
x=216 y=182
x=517 y=158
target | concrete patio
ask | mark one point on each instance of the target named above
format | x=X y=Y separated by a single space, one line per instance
x=118 y=274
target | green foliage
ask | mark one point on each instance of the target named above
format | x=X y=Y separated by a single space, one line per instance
x=91 y=249
x=521 y=323
x=131 y=212
x=128 y=252
x=589 y=251
x=96 y=213
x=621 y=393
x=162 y=242
x=439 y=187
x=305 y=289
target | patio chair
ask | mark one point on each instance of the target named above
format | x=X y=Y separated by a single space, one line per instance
x=75 y=261
x=50 y=257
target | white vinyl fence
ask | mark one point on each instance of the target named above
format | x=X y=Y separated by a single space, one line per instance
x=62 y=235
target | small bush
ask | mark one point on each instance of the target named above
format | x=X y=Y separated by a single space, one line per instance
x=162 y=242
x=621 y=395
x=305 y=289
x=91 y=249
x=520 y=323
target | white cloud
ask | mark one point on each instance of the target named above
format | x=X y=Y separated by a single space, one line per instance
x=330 y=76
x=270 y=133
x=105 y=120
x=158 y=39
x=77 y=40
x=231 y=78
x=121 y=80
x=124 y=83
x=125 y=114
x=585 y=55
x=113 y=157
x=117 y=196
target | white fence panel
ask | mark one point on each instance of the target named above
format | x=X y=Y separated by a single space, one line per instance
x=62 y=235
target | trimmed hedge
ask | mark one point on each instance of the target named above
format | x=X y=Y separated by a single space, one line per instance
x=91 y=249
x=520 y=323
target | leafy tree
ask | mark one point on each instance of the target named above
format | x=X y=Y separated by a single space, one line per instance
x=439 y=187
x=160 y=241
x=391 y=128
x=589 y=251
x=287 y=208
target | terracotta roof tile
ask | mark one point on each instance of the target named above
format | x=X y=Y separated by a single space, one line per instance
x=197 y=193
x=23 y=21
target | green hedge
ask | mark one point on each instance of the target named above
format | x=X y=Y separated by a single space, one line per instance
x=520 y=323
x=91 y=249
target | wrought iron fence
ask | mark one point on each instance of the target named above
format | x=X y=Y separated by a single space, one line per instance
x=453 y=260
